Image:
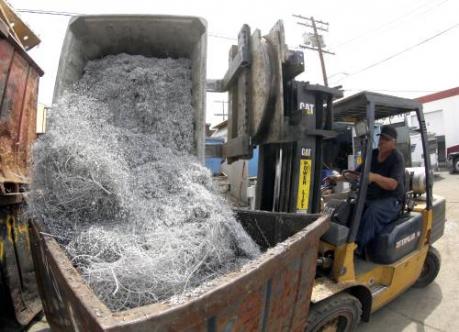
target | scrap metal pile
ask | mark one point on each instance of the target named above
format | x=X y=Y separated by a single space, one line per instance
x=116 y=183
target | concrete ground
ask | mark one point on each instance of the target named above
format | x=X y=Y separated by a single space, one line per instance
x=436 y=307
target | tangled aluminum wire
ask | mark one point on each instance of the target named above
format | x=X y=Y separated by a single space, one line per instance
x=116 y=183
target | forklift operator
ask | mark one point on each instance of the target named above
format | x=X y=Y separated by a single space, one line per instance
x=385 y=190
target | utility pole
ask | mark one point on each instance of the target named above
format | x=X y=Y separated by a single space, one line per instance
x=222 y=114
x=315 y=40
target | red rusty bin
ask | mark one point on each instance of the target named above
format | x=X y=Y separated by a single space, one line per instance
x=270 y=293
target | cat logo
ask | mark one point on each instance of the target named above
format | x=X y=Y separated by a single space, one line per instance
x=307 y=108
x=305 y=152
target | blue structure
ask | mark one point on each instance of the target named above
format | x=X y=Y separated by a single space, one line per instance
x=253 y=164
x=214 y=164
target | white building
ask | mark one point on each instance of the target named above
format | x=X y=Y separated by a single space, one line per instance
x=441 y=112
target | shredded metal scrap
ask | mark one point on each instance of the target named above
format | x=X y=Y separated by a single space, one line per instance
x=116 y=183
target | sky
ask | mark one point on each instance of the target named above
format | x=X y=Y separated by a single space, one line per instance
x=407 y=48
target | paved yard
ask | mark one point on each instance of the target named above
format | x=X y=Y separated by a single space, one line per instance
x=436 y=307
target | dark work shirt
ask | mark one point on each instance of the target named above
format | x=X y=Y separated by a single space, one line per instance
x=392 y=167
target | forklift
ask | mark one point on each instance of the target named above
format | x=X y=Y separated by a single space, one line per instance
x=291 y=122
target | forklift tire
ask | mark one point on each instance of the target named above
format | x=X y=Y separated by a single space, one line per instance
x=456 y=165
x=430 y=269
x=340 y=312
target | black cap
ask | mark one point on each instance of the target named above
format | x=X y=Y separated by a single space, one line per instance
x=389 y=132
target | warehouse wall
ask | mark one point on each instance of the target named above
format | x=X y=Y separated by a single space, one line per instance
x=442 y=118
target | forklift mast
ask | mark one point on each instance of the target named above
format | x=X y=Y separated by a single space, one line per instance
x=287 y=119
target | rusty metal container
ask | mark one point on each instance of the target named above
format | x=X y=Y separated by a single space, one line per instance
x=95 y=36
x=270 y=293
x=19 y=76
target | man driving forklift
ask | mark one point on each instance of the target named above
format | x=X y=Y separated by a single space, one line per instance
x=385 y=190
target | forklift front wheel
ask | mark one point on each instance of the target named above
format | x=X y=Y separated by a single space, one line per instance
x=340 y=312
x=430 y=268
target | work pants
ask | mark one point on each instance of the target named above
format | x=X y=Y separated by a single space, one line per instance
x=377 y=214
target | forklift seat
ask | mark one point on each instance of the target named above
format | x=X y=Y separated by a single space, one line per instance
x=398 y=239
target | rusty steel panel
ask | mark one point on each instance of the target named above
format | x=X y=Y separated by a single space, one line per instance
x=16 y=266
x=18 y=93
x=303 y=299
x=19 y=77
x=271 y=293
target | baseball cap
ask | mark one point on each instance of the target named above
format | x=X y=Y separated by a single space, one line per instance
x=388 y=132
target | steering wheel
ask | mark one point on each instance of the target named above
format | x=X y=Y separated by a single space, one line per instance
x=350 y=176
x=353 y=178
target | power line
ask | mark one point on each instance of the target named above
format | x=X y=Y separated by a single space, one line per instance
x=401 y=52
x=391 y=22
x=46 y=12
x=434 y=7
x=215 y=35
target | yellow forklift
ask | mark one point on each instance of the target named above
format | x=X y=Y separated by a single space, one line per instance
x=348 y=287
x=291 y=122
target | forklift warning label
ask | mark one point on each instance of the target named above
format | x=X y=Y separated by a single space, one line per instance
x=304 y=185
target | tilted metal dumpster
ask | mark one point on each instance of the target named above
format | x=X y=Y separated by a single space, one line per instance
x=270 y=293
x=95 y=36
